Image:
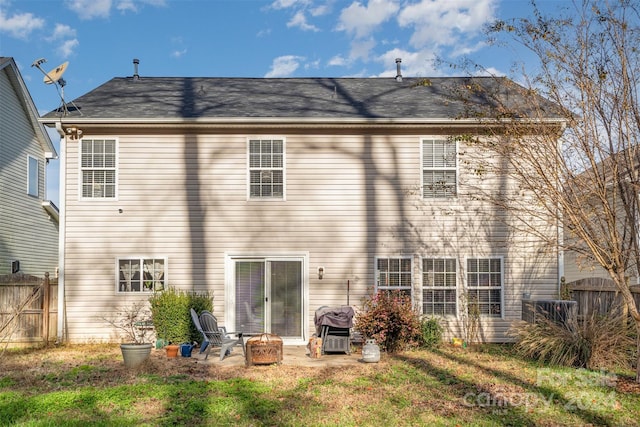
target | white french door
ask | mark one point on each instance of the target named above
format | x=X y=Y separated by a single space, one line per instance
x=269 y=296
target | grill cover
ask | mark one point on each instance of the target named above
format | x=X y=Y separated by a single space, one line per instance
x=336 y=317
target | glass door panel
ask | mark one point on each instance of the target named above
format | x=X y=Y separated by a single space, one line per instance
x=269 y=297
x=250 y=296
x=286 y=298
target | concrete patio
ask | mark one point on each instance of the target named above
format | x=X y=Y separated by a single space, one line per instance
x=294 y=355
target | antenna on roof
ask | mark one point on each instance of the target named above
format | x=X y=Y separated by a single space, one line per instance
x=54 y=77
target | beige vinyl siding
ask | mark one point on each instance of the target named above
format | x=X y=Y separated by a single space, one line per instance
x=349 y=198
x=27 y=233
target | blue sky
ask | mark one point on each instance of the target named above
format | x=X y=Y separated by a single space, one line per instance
x=246 y=38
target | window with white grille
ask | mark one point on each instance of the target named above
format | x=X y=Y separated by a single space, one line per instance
x=439 y=168
x=98 y=168
x=439 y=286
x=141 y=274
x=484 y=286
x=266 y=168
x=394 y=274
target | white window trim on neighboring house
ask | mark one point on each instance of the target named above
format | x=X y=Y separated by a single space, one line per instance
x=96 y=187
x=484 y=276
x=429 y=286
x=33 y=182
x=443 y=166
x=151 y=274
x=265 y=171
x=384 y=279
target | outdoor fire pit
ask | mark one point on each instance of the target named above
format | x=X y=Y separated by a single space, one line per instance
x=263 y=349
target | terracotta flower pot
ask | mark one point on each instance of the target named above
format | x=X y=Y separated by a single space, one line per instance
x=172 y=350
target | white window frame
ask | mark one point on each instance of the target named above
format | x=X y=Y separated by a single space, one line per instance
x=473 y=291
x=429 y=284
x=33 y=188
x=383 y=278
x=424 y=169
x=267 y=169
x=147 y=281
x=82 y=169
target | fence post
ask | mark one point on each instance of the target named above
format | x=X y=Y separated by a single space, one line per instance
x=46 y=288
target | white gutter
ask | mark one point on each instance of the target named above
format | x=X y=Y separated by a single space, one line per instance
x=244 y=121
x=52 y=210
x=61 y=233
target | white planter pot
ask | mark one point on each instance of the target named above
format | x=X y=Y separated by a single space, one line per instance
x=134 y=355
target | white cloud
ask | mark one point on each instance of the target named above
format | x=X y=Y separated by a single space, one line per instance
x=337 y=61
x=19 y=25
x=362 y=20
x=178 y=53
x=126 y=5
x=444 y=22
x=417 y=63
x=284 y=66
x=320 y=10
x=67 y=48
x=62 y=31
x=300 y=21
x=491 y=71
x=314 y=65
x=285 y=4
x=133 y=5
x=89 y=9
x=360 y=49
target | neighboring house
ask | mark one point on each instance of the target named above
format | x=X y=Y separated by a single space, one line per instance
x=28 y=221
x=280 y=196
x=589 y=188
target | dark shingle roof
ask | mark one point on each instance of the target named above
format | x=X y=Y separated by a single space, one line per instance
x=303 y=98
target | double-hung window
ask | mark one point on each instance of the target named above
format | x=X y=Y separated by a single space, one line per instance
x=141 y=274
x=394 y=274
x=266 y=168
x=439 y=286
x=485 y=286
x=33 y=176
x=439 y=168
x=98 y=168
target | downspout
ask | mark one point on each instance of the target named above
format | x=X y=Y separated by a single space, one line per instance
x=61 y=232
x=559 y=225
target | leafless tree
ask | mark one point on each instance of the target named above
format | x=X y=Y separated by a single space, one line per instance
x=588 y=65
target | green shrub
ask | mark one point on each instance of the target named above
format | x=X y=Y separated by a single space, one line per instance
x=171 y=315
x=597 y=342
x=431 y=332
x=389 y=318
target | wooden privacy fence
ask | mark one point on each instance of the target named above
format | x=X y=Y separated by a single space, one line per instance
x=28 y=309
x=597 y=296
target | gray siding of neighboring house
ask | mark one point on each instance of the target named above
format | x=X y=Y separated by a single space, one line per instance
x=349 y=198
x=27 y=232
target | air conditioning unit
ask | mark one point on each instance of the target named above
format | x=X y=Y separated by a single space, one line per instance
x=559 y=311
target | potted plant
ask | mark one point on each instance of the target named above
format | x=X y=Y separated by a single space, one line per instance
x=133 y=322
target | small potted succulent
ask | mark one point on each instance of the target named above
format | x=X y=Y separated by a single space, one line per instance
x=133 y=322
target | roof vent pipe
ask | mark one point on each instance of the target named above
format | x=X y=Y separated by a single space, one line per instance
x=136 y=61
x=398 y=72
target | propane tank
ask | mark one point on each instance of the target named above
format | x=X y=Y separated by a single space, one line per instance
x=371 y=352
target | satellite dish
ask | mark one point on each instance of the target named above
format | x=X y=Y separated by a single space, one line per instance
x=54 y=77
x=56 y=74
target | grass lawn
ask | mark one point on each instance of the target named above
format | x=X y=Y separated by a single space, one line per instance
x=484 y=386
